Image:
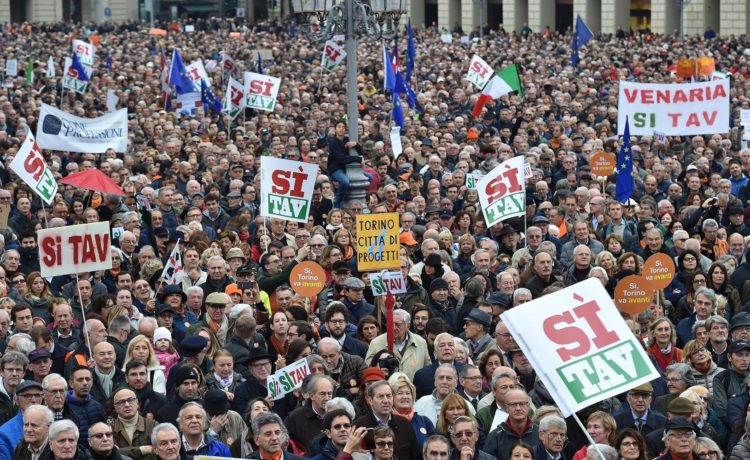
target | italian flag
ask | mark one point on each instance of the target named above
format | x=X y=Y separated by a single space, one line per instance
x=502 y=83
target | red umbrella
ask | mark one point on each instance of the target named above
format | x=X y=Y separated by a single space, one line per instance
x=93 y=179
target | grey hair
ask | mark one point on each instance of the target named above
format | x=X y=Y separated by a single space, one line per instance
x=315 y=359
x=330 y=341
x=552 y=421
x=504 y=374
x=609 y=452
x=310 y=388
x=692 y=432
x=709 y=223
x=192 y=289
x=462 y=419
x=341 y=403
x=404 y=315
x=147 y=319
x=448 y=366
x=713 y=319
x=49 y=416
x=685 y=371
x=118 y=324
x=437 y=340
x=193 y=404
x=14 y=357
x=320 y=237
x=5 y=255
x=519 y=292
x=61 y=426
x=24 y=344
x=698 y=324
x=52 y=377
x=599 y=269
x=268 y=418
x=492 y=243
x=434 y=438
x=710 y=444
x=708 y=292
x=163 y=427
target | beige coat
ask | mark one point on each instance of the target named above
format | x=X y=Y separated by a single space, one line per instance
x=415 y=357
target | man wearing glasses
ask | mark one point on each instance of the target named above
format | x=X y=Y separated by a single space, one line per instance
x=679 y=438
x=101 y=442
x=13 y=367
x=11 y=433
x=465 y=434
x=553 y=436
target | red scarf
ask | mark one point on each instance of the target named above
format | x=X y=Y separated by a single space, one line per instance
x=278 y=346
x=664 y=360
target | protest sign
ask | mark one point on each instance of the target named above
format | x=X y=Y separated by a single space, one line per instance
x=287 y=379
x=660 y=137
x=633 y=294
x=234 y=98
x=58 y=130
x=674 y=109
x=502 y=191
x=286 y=188
x=384 y=282
x=71 y=80
x=196 y=72
x=446 y=38
x=31 y=168
x=112 y=100
x=377 y=242
x=86 y=52
x=11 y=67
x=333 y=55
x=396 y=146
x=602 y=163
x=471 y=180
x=659 y=270
x=579 y=345
x=308 y=278
x=528 y=173
x=261 y=91
x=75 y=249
x=479 y=72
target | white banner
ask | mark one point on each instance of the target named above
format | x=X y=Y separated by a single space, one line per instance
x=30 y=167
x=502 y=192
x=86 y=52
x=11 y=67
x=70 y=78
x=286 y=188
x=287 y=379
x=75 y=249
x=674 y=109
x=112 y=100
x=479 y=72
x=333 y=55
x=196 y=72
x=234 y=98
x=58 y=130
x=261 y=91
x=384 y=282
x=579 y=345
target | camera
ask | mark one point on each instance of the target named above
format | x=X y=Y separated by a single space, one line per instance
x=390 y=363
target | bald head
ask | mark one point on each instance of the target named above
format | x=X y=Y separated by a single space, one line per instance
x=104 y=357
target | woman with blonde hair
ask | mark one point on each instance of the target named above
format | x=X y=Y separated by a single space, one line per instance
x=602 y=428
x=454 y=406
x=702 y=367
x=140 y=348
x=661 y=343
x=343 y=238
x=404 y=397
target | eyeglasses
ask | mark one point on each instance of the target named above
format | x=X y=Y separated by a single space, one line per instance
x=682 y=434
x=19 y=281
x=463 y=434
x=557 y=435
x=384 y=444
x=519 y=405
x=127 y=401
x=341 y=426
x=102 y=435
x=317 y=245
x=709 y=453
x=628 y=444
x=32 y=395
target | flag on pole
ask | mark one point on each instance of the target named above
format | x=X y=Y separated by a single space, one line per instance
x=411 y=51
x=30 y=70
x=208 y=98
x=260 y=64
x=389 y=80
x=624 y=168
x=178 y=76
x=80 y=71
x=50 y=67
x=581 y=36
x=165 y=89
x=502 y=83
x=173 y=271
x=108 y=63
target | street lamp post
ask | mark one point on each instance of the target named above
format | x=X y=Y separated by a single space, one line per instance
x=481 y=15
x=322 y=19
x=681 y=4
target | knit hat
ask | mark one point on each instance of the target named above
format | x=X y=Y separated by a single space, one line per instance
x=433 y=260
x=183 y=373
x=373 y=374
x=438 y=283
x=162 y=333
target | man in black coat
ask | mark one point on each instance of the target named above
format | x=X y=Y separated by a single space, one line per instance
x=137 y=379
x=106 y=375
x=243 y=341
x=639 y=415
x=259 y=363
x=380 y=399
x=186 y=381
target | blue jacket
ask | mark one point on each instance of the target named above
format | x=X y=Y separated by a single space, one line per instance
x=87 y=413
x=423 y=428
x=212 y=448
x=11 y=433
x=329 y=452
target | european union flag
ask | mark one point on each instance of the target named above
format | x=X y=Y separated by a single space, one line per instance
x=178 y=76
x=260 y=63
x=208 y=98
x=581 y=36
x=108 y=63
x=78 y=67
x=397 y=114
x=411 y=51
x=624 y=168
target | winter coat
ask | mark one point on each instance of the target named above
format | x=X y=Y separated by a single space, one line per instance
x=88 y=412
x=414 y=357
x=11 y=433
x=502 y=439
x=141 y=437
x=707 y=380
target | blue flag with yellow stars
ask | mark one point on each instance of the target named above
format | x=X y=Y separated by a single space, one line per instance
x=178 y=76
x=208 y=98
x=624 y=169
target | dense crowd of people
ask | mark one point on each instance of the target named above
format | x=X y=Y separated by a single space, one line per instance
x=125 y=365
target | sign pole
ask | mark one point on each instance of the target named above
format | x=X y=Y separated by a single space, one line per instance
x=588 y=436
x=83 y=311
x=525 y=237
x=46 y=224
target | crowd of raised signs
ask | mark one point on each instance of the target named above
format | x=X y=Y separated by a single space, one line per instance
x=175 y=371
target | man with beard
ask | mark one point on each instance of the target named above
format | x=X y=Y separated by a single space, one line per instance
x=718 y=339
x=186 y=381
x=337 y=321
x=29 y=253
x=136 y=379
x=131 y=430
x=543 y=277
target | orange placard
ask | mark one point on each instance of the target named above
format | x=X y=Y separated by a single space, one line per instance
x=308 y=278
x=160 y=32
x=686 y=68
x=602 y=163
x=235 y=35
x=706 y=66
x=633 y=294
x=659 y=270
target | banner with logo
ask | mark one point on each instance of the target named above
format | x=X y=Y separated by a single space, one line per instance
x=579 y=345
x=502 y=192
x=479 y=72
x=86 y=52
x=261 y=91
x=333 y=55
x=377 y=242
x=674 y=109
x=384 y=282
x=31 y=168
x=70 y=78
x=287 y=379
x=196 y=72
x=286 y=188
x=58 y=130
x=11 y=67
x=234 y=98
x=75 y=249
